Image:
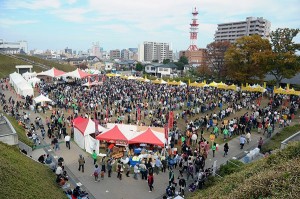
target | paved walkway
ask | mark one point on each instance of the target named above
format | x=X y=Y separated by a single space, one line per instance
x=128 y=188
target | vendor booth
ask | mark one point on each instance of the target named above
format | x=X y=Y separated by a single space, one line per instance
x=84 y=130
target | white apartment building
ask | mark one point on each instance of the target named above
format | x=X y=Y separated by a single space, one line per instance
x=13 y=47
x=234 y=30
x=149 y=51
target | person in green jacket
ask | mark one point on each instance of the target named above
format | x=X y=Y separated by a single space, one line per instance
x=216 y=131
x=214 y=148
x=225 y=133
x=94 y=156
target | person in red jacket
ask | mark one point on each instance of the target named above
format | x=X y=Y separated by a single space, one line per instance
x=150 y=181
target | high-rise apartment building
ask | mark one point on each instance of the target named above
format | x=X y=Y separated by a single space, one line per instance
x=234 y=30
x=149 y=51
x=115 y=54
x=125 y=54
x=95 y=50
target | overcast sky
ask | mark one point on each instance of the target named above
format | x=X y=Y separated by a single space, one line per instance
x=56 y=24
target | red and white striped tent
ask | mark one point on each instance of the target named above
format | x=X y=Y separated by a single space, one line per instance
x=77 y=74
x=53 y=72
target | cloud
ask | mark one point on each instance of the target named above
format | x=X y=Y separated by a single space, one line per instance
x=32 y=4
x=11 y=22
x=71 y=15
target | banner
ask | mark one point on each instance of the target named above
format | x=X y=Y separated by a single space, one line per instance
x=171 y=119
x=166 y=132
x=96 y=126
x=139 y=114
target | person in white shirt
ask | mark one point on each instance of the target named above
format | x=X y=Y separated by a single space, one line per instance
x=67 y=140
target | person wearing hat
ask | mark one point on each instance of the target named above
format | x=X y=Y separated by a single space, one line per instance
x=81 y=162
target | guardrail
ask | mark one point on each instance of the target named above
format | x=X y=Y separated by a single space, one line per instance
x=285 y=142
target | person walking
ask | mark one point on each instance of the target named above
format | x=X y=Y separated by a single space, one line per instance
x=248 y=137
x=214 y=148
x=171 y=177
x=81 y=162
x=143 y=170
x=190 y=171
x=96 y=173
x=242 y=141
x=150 y=181
x=260 y=143
x=67 y=140
x=226 y=149
x=94 y=156
x=109 y=167
x=182 y=185
x=157 y=165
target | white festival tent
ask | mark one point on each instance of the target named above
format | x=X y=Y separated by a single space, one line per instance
x=29 y=75
x=41 y=98
x=83 y=127
x=79 y=74
x=21 y=86
x=33 y=81
x=53 y=72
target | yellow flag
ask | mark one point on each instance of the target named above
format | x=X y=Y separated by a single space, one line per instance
x=265 y=84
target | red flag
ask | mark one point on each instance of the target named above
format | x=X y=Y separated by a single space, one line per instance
x=171 y=119
x=139 y=114
x=166 y=131
x=107 y=114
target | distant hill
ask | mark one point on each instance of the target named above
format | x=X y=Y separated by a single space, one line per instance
x=22 y=177
x=277 y=176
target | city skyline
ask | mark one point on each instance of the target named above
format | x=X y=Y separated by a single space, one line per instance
x=118 y=24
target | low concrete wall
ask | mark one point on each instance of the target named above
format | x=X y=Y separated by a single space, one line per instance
x=295 y=137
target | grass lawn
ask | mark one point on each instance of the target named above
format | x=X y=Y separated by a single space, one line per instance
x=272 y=177
x=22 y=177
x=63 y=67
x=275 y=141
x=8 y=65
x=20 y=131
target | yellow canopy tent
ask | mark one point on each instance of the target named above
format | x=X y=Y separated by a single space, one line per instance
x=110 y=75
x=232 y=87
x=279 y=90
x=222 y=85
x=213 y=84
x=173 y=83
x=159 y=81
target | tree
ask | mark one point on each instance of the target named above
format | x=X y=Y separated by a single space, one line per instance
x=184 y=60
x=241 y=58
x=215 y=57
x=139 y=67
x=180 y=65
x=281 y=61
x=166 y=61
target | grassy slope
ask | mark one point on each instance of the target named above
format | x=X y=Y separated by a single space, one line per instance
x=63 y=67
x=21 y=177
x=8 y=65
x=20 y=131
x=277 y=176
x=275 y=141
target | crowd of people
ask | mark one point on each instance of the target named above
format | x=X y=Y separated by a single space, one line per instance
x=198 y=113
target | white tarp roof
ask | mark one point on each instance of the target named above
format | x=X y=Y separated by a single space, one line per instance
x=42 y=98
x=33 y=80
x=21 y=86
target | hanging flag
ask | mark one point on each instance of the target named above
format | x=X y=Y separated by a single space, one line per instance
x=139 y=114
x=96 y=126
x=107 y=114
x=166 y=132
x=171 y=119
